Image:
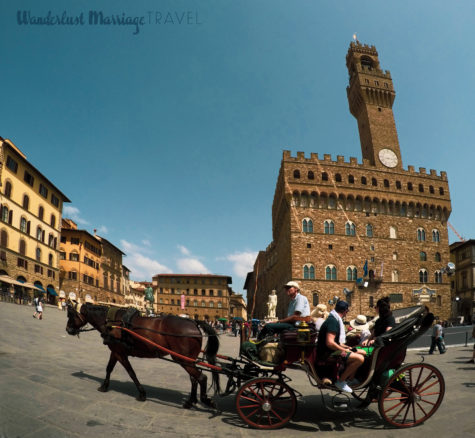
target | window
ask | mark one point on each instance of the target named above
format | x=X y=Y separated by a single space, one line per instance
x=315 y=299
x=351 y=273
x=363 y=180
x=23 y=225
x=22 y=263
x=338 y=177
x=8 y=189
x=53 y=220
x=73 y=275
x=296 y=173
x=324 y=176
x=26 y=202
x=330 y=272
x=309 y=272
x=28 y=178
x=386 y=183
x=421 y=235
x=220 y=293
x=398 y=185
x=409 y=186
x=329 y=227
x=75 y=240
x=62 y=255
x=39 y=233
x=435 y=236
x=3 y=239
x=438 y=277
x=421 y=188
x=203 y=304
x=22 y=247
x=38 y=254
x=41 y=212
x=74 y=257
x=54 y=200
x=43 y=191
x=211 y=293
x=350 y=229
x=307 y=226
x=310 y=175
x=50 y=260
x=395 y=276
x=394 y=255
x=392 y=233
x=422 y=276
x=441 y=190
x=351 y=179
x=437 y=257
x=374 y=182
x=203 y=292
x=369 y=230
x=5 y=213
x=352 y=248
x=12 y=164
x=422 y=256
x=38 y=269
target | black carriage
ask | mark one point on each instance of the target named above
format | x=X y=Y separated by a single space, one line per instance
x=407 y=394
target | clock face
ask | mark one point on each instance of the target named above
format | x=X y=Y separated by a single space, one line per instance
x=388 y=157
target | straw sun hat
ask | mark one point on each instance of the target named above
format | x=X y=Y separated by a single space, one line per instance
x=360 y=323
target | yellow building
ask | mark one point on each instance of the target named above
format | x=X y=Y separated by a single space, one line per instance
x=198 y=296
x=90 y=265
x=31 y=208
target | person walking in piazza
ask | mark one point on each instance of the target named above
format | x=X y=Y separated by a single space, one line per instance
x=437 y=339
x=38 y=302
x=298 y=310
x=472 y=360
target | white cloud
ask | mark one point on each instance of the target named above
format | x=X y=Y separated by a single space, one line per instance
x=191 y=265
x=142 y=267
x=243 y=262
x=184 y=250
x=73 y=213
x=146 y=242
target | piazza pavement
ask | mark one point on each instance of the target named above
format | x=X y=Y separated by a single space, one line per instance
x=49 y=381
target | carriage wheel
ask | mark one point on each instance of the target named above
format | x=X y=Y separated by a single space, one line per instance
x=266 y=403
x=412 y=394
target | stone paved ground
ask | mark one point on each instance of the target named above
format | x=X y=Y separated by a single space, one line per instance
x=49 y=380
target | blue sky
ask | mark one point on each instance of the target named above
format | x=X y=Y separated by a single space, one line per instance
x=169 y=141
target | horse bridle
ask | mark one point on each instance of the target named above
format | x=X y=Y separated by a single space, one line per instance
x=76 y=307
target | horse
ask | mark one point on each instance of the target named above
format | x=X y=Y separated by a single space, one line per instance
x=178 y=335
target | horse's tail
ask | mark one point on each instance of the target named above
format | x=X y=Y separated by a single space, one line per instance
x=211 y=350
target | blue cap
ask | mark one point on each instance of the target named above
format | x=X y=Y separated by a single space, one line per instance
x=341 y=306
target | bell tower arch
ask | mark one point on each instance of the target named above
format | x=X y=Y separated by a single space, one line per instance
x=370 y=97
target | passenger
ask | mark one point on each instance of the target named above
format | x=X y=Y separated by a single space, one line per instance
x=358 y=331
x=331 y=343
x=298 y=310
x=319 y=315
x=383 y=323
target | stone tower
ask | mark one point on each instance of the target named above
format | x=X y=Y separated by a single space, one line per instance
x=370 y=96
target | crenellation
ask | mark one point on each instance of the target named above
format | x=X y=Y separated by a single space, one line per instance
x=301 y=155
x=340 y=159
x=433 y=172
x=410 y=169
x=313 y=156
x=422 y=170
x=327 y=157
x=353 y=161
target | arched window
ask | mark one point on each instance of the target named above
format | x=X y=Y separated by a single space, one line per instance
x=351 y=273
x=211 y=304
x=8 y=189
x=437 y=257
x=363 y=180
x=394 y=255
x=398 y=185
x=5 y=213
x=307 y=225
x=39 y=233
x=26 y=202
x=350 y=229
x=431 y=189
x=309 y=272
x=392 y=233
x=422 y=256
x=203 y=304
x=296 y=173
x=421 y=235
x=22 y=247
x=374 y=182
x=338 y=177
x=409 y=186
x=421 y=188
x=324 y=176
x=422 y=276
x=369 y=230
x=38 y=254
x=351 y=179
x=304 y=199
x=386 y=183
x=53 y=220
x=330 y=272
x=438 y=277
x=435 y=236
x=41 y=212
x=310 y=175
x=220 y=304
x=328 y=227
x=395 y=276
x=441 y=190
x=23 y=225
x=50 y=259
x=195 y=303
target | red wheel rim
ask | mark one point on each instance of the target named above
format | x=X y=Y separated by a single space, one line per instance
x=412 y=395
x=266 y=403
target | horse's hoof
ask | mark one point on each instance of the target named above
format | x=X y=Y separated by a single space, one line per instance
x=210 y=403
x=102 y=389
x=188 y=404
x=141 y=397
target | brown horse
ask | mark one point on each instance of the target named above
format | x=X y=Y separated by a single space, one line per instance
x=179 y=335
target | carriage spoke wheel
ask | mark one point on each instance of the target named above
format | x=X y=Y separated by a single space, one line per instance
x=265 y=403
x=412 y=394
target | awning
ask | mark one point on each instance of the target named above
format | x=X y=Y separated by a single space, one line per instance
x=31 y=286
x=51 y=290
x=40 y=288
x=10 y=280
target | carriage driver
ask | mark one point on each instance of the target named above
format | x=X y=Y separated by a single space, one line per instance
x=298 y=310
x=331 y=344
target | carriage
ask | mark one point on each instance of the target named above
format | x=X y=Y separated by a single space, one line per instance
x=406 y=394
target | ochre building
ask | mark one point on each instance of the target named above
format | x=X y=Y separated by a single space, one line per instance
x=354 y=230
x=30 y=210
x=197 y=296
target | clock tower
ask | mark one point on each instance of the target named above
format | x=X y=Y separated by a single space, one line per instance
x=370 y=96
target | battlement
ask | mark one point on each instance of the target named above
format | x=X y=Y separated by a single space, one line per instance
x=353 y=163
x=356 y=46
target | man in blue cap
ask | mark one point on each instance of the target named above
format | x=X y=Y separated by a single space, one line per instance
x=331 y=344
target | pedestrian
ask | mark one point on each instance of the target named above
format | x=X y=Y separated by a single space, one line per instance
x=472 y=360
x=35 y=303
x=437 y=339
